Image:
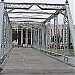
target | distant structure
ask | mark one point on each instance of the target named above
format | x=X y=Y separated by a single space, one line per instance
x=21 y=39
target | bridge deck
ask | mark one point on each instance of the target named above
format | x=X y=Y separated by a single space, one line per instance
x=26 y=61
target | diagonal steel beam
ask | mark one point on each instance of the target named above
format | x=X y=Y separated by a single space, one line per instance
x=52 y=16
x=10 y=10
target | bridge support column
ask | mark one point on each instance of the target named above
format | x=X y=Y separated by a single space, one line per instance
x=38 y=38
x=1 y=25
x=31 y=36
x=17 y=34
x=34 y=40
x=48 y=35
x=66 y=32
x=21 y=36
x=72 y=30
x=43 y=41
x=11 y=37
x=55 y=32
x=26 y=37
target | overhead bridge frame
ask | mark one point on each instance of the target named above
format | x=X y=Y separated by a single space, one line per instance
x=42 y=6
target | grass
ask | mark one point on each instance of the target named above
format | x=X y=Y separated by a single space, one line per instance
x=70 y=52
x=60 y=52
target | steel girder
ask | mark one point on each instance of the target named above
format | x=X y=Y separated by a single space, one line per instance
x=48 y=35
x=66 y=35
x=42 y=6
x=46 y=19
x=55 y=31
x=25 y=22
x=26 y=18
x=31 y=12
x=53 y=15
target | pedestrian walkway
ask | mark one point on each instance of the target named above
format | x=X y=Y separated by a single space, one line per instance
x=27 y=61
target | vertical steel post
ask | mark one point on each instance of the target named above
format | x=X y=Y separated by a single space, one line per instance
x=38 y=38
x=71 y=25
x=17 y=34
x=55 y=32
x=21 y=36
x=31 y=37
x=35 y=36
x=26 y=37
x=48 y=35
x=43 y=43
x=1 y=26
x=65 y=35
x=11 y=37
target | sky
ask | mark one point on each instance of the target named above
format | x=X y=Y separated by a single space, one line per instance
x=71 y=4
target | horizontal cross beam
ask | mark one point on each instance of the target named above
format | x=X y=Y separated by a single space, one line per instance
x=34 y=4
x=25 y=22
x=33 y=12
x=26 y=18
x=42 y=6
x=22 y=21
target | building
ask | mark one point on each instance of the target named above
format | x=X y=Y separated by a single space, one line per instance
x=25 y=35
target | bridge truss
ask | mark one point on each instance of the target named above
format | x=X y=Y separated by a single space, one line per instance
x=36 y=16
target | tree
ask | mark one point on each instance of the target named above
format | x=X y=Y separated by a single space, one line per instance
x=14 y=35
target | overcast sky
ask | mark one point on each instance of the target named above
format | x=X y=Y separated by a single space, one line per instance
x=71 y=3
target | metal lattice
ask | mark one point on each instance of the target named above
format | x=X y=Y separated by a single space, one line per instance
x=55 y=32
x=66 y=31
x=42 y=6
x=48 y=35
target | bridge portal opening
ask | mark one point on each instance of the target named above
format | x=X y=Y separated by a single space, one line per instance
x=32 y=25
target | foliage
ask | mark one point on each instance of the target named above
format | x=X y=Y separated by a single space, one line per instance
x=14 y=35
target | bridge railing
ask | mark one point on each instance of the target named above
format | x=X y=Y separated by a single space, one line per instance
x=5 y=35
x=61 y=50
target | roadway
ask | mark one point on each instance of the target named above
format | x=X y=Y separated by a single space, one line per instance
x=27 y=61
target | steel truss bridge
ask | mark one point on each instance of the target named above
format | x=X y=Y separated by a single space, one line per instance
x=36 y=16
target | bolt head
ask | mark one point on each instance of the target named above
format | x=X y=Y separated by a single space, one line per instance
x=66 y=1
